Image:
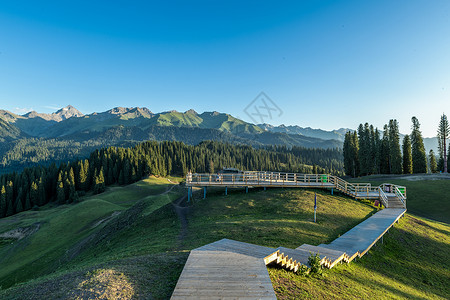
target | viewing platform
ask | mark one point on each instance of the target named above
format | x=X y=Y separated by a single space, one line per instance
x=390 y=195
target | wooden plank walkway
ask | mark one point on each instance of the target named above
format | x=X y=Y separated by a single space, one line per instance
x=226 y=269
x=359 y=239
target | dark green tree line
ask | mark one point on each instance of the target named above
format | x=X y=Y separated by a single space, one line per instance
x=65 y=183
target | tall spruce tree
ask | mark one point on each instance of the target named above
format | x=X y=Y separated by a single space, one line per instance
x=385 y=160
x=2 y=201
x=348 y=159
x=443 y=134
x=365 y=153
x=377 y=149
x=407 y=156
x=19 y=205
x=419 y=157
x=395 y=154
x=60 y=193
x=355 y=154
x=433 y=164
x=34 y=194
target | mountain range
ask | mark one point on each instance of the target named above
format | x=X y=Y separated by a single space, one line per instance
x=67 y=133
x=140 y=123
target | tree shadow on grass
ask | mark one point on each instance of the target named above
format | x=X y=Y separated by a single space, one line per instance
x=413 y=260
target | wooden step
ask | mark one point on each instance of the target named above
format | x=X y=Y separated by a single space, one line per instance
x=266 y=253
x=287 y=256
x=332 y=256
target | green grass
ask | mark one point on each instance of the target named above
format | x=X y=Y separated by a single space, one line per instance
x=273 y=218
x=411 y=263
x=140 y=253
x=426 y=198
x=63 y=227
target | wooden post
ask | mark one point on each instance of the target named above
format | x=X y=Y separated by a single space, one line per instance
x=204 y=192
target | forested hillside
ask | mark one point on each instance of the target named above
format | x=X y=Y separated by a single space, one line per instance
x=65 y=182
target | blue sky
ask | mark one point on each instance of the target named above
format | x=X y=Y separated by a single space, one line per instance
x=325 y=64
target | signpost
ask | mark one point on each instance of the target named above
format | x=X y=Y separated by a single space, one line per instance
x=315 y=206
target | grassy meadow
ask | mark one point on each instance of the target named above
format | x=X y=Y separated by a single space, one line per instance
x=131 y=243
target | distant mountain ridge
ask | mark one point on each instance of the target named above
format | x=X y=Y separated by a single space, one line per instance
x=338 y=134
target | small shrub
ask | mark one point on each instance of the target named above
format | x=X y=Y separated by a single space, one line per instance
x=303 y=270
x=314 y=262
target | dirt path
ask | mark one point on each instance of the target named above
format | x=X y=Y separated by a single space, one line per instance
x=181 y=212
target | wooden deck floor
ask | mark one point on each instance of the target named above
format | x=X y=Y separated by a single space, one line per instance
x=228 y=269
x=363 y=236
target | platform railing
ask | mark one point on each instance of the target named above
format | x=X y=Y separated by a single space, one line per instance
x=400 y=195
x=262 y=178
x=384 y=199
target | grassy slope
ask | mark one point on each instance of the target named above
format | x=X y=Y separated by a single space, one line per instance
x=145 y=258
x=426 y=198
x=273 y=218
x=412 y=263
x=63 y=226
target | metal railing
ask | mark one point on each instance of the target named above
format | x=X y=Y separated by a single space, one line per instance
x=262 y=178
x=384 y=199
x=400 y=195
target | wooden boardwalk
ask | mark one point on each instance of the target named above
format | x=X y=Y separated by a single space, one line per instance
x=228 y=269
x=385 y=192
x=362 y=237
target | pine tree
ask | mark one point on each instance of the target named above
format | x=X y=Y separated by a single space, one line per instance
x=354 y=146
x=41 y=193
x=419 y=157
x=377 y=145
x=10 y=193
x=433 y=164
x=395 y=154
x=27 y=202
x=407 y=157
x=10 y=208
x=211 y=166
x=60 y=193
x=347 y=154
x=71 y=177
x=19 y=206
x=385 y=161
x=365 y=153
x=34 y=194
x=99 y=186
x=2 y=201
x=443 y=134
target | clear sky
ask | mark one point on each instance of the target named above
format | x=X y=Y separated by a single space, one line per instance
x=325 y=64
